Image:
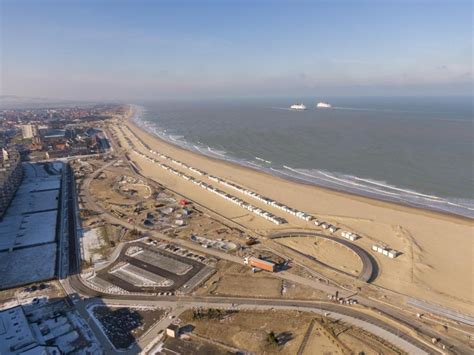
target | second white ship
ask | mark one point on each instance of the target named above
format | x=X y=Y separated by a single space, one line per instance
x=323 y=105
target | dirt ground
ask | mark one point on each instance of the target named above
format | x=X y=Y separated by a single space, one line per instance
x=321 y=341
x=326 y=251
x=296 y=291
x=238 y=280
x=339 y=339
x=202 y=225
x=193 y=346
x=293 y=331
x=356 y=340
x=24 y=294
x=249 y=330
x=240 y=285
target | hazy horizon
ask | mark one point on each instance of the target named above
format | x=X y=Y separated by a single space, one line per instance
x=144 y=50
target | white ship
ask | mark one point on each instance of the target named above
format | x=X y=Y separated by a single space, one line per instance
x=323 y=105
x=298 y=107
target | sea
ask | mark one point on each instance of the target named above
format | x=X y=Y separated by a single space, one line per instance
x=412 y=150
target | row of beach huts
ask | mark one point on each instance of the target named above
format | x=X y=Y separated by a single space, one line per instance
x=254 y=209
x=391 y=253
x=266 y=200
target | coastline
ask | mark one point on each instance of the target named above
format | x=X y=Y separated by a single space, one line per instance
x=379 y=201
x=424 y=237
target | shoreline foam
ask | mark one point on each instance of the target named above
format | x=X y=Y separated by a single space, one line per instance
x=342 y=183
x=424 y=237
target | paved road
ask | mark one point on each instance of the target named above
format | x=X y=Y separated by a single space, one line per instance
x=354 y=317
x=443 y=312
x=369 y=265
x=393 y=313
x=350 y=315
x=76 y=284
x=92 y=204
x=73 y=224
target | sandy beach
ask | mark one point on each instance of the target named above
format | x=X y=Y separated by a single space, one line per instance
x=435 y=248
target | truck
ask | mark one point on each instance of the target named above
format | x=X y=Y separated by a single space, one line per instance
x=259 y=263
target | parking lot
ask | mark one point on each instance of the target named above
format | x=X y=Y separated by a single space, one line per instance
x=147 y=268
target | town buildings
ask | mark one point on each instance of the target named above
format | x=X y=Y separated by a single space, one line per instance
x=28 y=131
x=11 y=174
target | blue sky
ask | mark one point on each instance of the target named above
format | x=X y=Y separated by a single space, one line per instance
x=164 y=49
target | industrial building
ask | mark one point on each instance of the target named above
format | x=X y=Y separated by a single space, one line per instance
x=29 y=231
x=18 y=337
x=15 y=332
x=45 y=329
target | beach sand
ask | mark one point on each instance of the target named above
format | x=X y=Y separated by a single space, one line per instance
x=436 y=263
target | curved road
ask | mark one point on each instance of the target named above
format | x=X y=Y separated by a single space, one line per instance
x=369 y=265
x=406 y=340
x=93 y=205
x=355 y=317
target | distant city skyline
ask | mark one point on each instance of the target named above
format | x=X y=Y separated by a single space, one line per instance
x=141 y=50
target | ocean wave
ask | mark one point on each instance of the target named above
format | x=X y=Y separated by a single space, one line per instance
x=381 y=189
x=353 y=184
x=264 y=160
x=181 y=141
x=206 y=150
x=175 y=138
x=387 y=186
x=220 y=153
x=252 y=164
x=335 y=180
